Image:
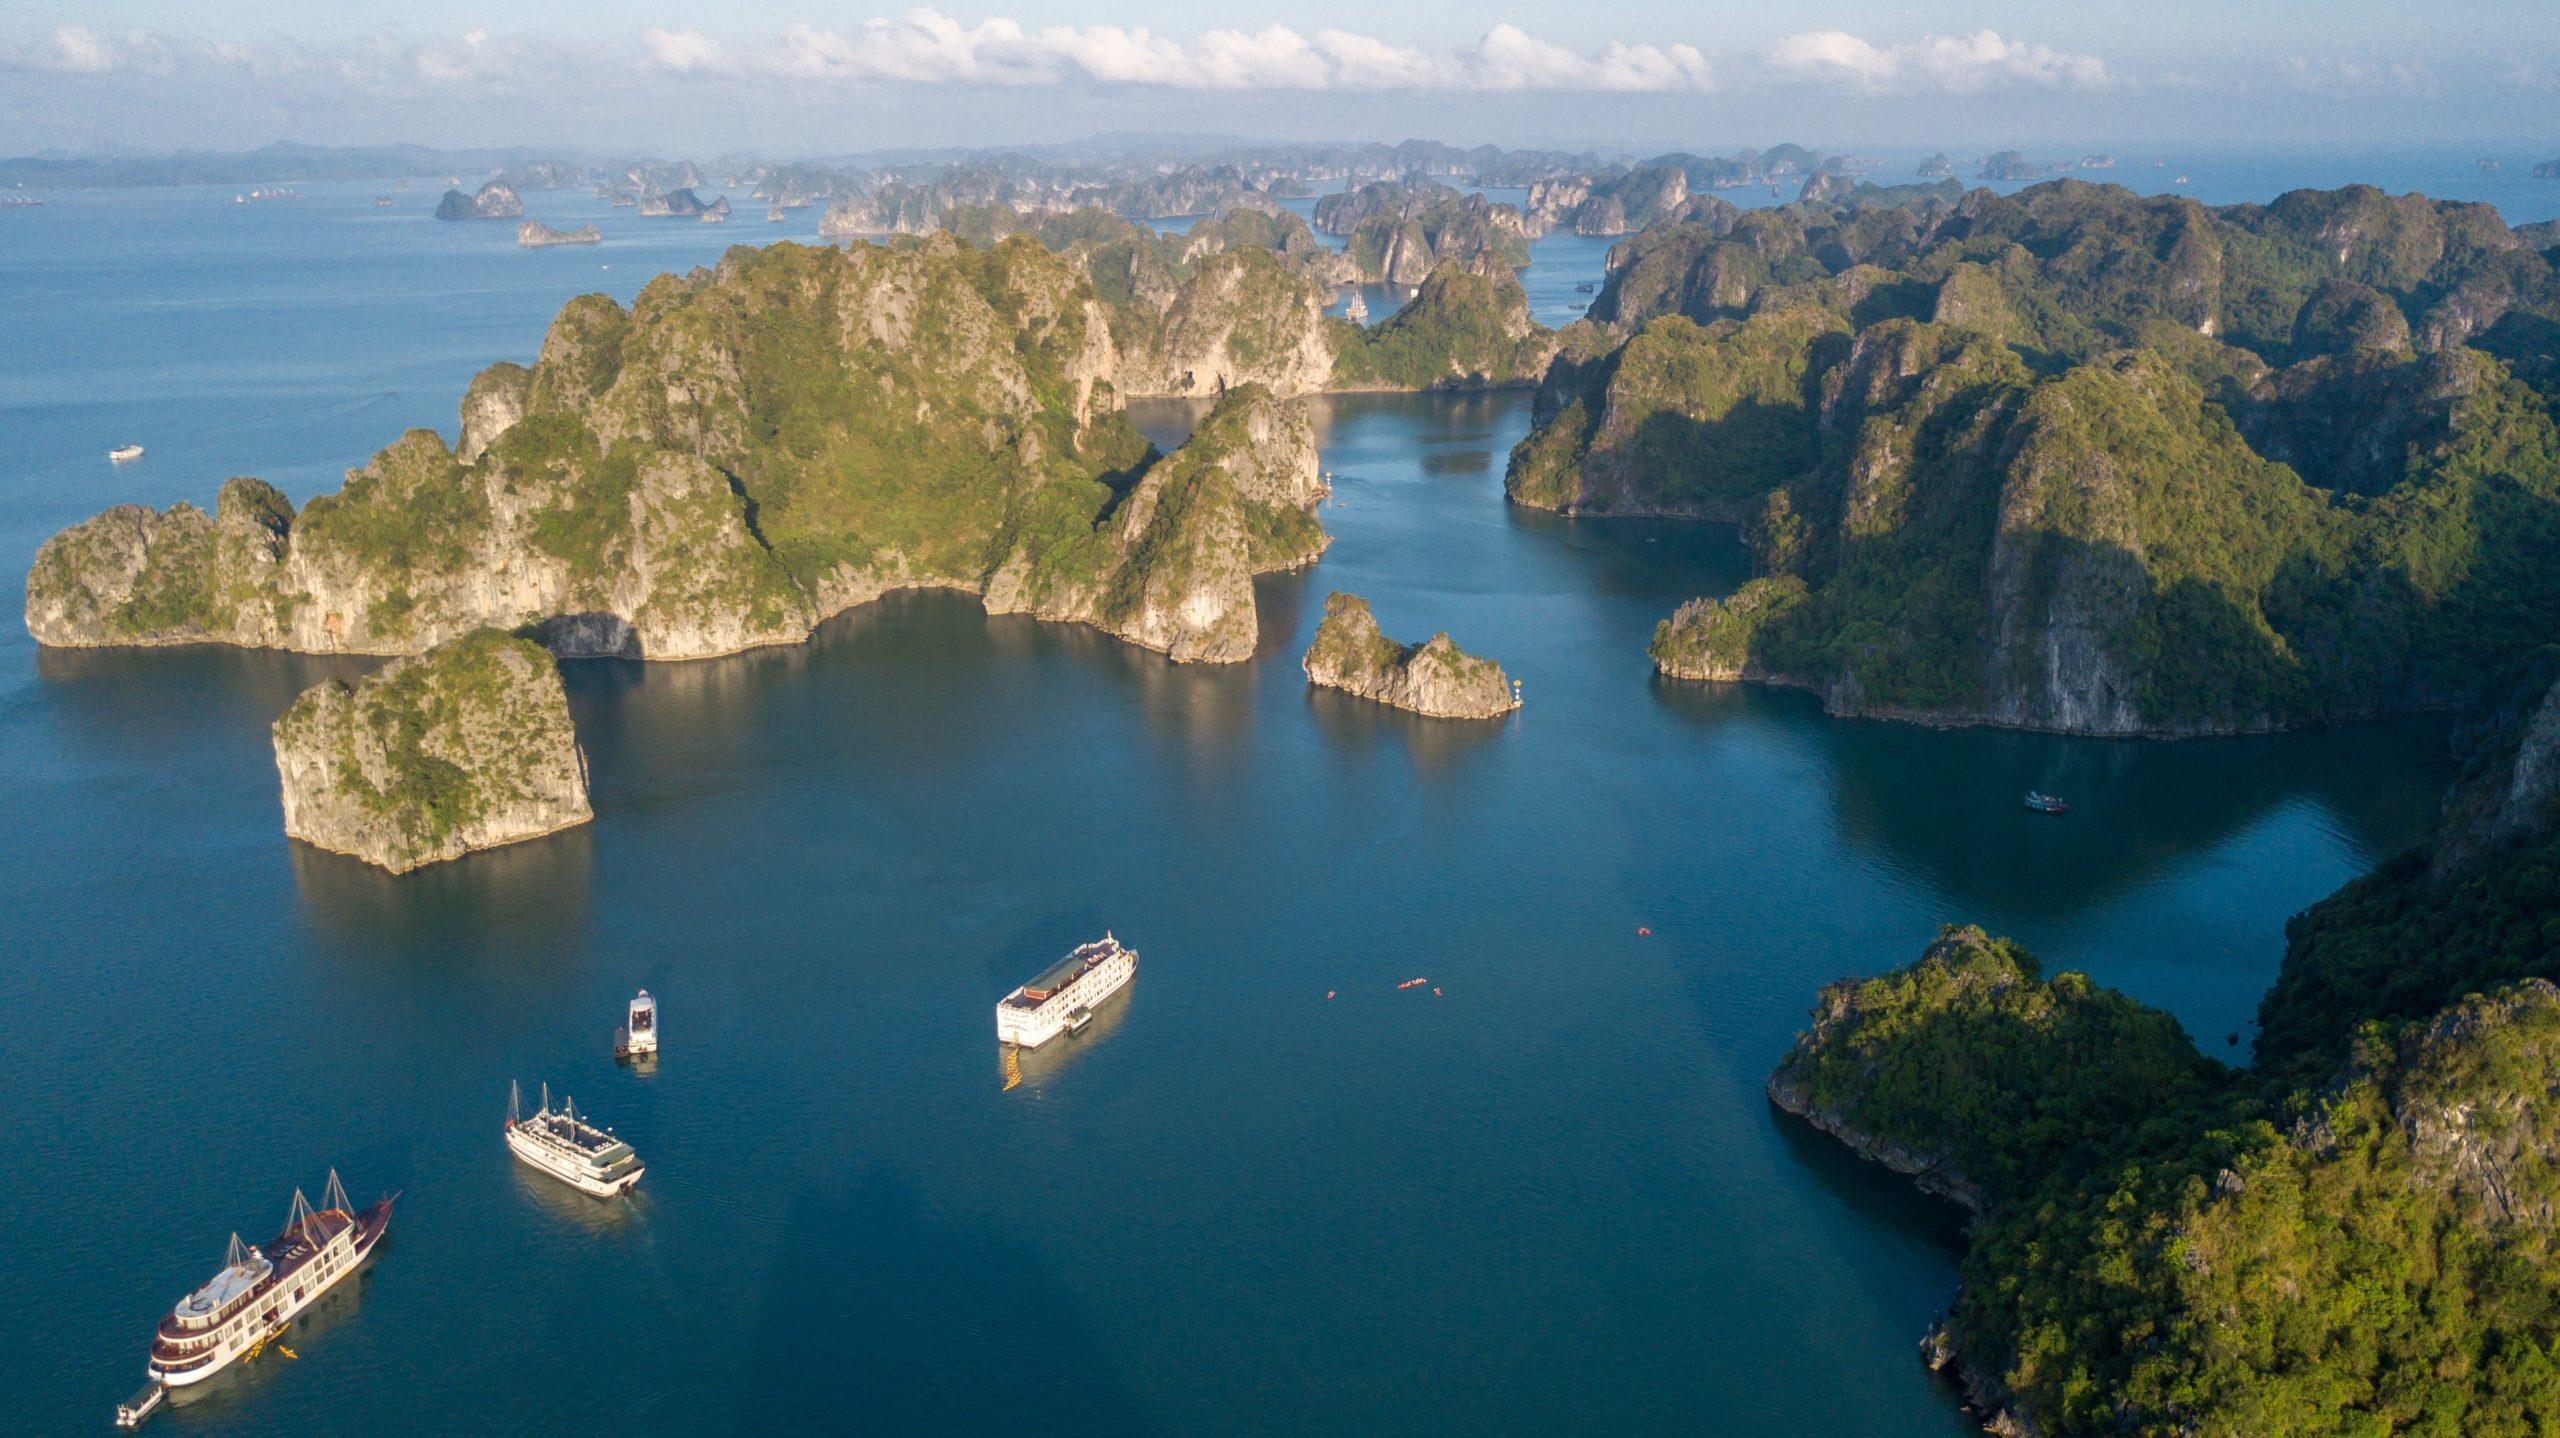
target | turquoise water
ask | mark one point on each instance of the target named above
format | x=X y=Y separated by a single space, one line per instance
x=1550 y=1196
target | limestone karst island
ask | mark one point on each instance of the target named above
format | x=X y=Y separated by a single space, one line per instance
x=1097 y=719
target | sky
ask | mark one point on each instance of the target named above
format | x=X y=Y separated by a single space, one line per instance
x=785 y=78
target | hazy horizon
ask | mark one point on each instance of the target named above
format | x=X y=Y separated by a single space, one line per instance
x=782 y=79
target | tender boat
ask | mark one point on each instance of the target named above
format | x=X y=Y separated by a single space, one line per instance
x=123 y=452
x=564 y=1145
x=1063 y=998
x=2044 y=803
x=637 y=1040
x=258 y=1292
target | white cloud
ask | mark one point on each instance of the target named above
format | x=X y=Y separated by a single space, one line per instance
x=926 y=46
x=79 y=50
x=1955 y=64
x=681 y=52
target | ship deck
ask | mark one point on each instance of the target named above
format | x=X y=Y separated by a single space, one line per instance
x=1062 y=973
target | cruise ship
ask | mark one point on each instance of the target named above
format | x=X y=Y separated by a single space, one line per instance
x=259 y=1290
x=1062 y=999
x=567 y=1147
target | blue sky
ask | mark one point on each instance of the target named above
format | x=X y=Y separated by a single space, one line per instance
x=784 y=77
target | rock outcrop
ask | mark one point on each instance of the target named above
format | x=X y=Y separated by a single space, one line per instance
x=682 y=204
x=534 y=235
x=466 y=746
x=1434 y=678
x=495 y=201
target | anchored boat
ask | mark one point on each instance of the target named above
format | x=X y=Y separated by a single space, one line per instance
x=123 y=452
x=564 y=1145
x=1062 y=999
x=258 y=1292
x=2044 y=803
x=637 y=1040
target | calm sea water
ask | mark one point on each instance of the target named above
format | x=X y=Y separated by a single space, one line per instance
x=1547 y=1196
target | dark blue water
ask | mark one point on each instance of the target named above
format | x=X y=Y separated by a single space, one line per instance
x=1549 y=1197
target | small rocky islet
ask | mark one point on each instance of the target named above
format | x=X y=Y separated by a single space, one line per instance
x=466 y=746
x=1434 y=678
x=534 y=235
x=494 y=201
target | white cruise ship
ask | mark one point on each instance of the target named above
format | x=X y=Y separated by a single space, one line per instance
x=259 y=1291
x=567 y=1147
x=1062 y=1000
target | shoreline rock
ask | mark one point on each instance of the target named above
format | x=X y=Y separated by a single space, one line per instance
x=1435 y=678
x=467 y=746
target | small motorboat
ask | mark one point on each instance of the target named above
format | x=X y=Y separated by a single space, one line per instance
x=123 y=452
x=2044 y=803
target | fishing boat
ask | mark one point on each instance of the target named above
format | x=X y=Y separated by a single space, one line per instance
x=2044 y=803
x=637 y=1039
x=123 y=452
x=258 y=1292
x=1063 y=998
x=561 y=1143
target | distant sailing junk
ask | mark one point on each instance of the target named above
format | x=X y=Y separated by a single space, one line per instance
x=257 y=1293
x=1062 y=999
x=1357 y=311
x=637 y=1040
x=568 y=1148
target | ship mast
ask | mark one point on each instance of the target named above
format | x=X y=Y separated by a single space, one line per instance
x=515 y=1102
x=335 y=1196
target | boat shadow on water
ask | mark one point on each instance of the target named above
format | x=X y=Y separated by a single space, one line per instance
x=597 y=1217
x=305 y=1339
x=1030 y=1069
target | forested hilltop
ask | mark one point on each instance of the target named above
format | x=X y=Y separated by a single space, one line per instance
x=2357 y=1235
x=750 y=449
x=2079 y=460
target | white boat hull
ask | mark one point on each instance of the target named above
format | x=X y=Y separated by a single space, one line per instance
x=234 y=1349
x=574 y=1172
x=1030 y=1028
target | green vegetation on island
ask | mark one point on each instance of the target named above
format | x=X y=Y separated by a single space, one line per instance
x=2073 y=459
x=742 y=453
x=2356 y=1235
x=466 y=746
x=1435 y=677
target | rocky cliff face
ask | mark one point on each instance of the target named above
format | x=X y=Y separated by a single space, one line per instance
x=742 y=454
x=466 y=746
x=1435 y=678
x=1238 y=317
x=2165 y=537
x=495 y=201
x=1238 y=499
